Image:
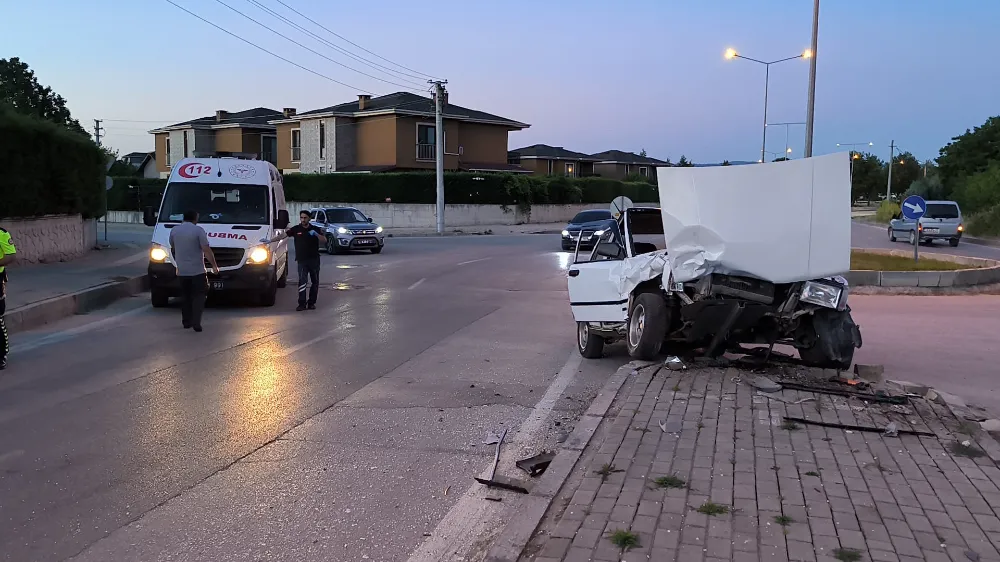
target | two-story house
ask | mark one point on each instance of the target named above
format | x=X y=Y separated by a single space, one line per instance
x=618 y=164
x=545 y=160
x=392 y=132
x=247 y=134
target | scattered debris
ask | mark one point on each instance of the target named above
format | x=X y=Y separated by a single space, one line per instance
x=900 y=409
x=624 y=540
x=765 y=384
x=674 y=363
x=849 y=381
x=446 y=490
x=792 y=402
x=537 y=464
x=965 y=449
x=663 y=426
x=494 y=498
x=493 y=481
x=873 y=374
x=849 y=427
x=891 y=430
x=880 y=397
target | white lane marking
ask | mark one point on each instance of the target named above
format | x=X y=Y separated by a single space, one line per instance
x=417 y=284
x=4 y=457
x=64 y=335
x=473 y=261
x=290 y=350
x=473 y=518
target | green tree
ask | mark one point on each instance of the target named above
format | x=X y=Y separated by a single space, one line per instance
x=868 y=180
x=905 y=170
x=684 y=162
x=969 y=153
x=980 y=191
x=642 y=153
x=20 y=90
x=929 y=188
x=726 y=163
x=781 y=159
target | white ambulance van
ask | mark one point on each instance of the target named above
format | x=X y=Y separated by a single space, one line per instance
x=239 y=202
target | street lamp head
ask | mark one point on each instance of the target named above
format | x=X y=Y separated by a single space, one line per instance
x=807 y=54
x=731 y=53
x=856 y=156
x=871 y=144
x=789 y=150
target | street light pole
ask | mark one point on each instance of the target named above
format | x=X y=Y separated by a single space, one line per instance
x=732 y=54
x=811 y=100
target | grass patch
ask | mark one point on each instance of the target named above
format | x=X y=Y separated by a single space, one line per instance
x=960 y=450
x=607 y=470
x=710 y=508
x=790 y=425
x=669 y=482
x=847 y=555
x=624 y=540
x=812 y=473
x=876 y=262
x=783 y=520
x=676 y=388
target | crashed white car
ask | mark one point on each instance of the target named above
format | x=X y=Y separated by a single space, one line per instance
x=747 y=254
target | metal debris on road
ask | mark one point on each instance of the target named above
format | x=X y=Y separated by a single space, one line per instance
x=880 y=396
x=674 y=363
x=891 y=430
x=792 y=402
x=850 y=427
x=493 y=481
x=663 y=426
x=494 y=498
x=765 y=384
x=537 y=464
x=900 y=409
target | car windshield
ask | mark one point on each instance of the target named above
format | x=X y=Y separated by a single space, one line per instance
x=941 y=211
x=344 y=216
x=223 y=203
x=590 y=216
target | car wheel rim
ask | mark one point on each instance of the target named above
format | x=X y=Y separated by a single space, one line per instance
x=636 y=325
x=583 y=335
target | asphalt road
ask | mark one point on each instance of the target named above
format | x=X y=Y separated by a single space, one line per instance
x=345 y=433
x=864 y=235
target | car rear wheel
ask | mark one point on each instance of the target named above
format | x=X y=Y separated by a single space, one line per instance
x=647 y=326
x=589 y=344
x=953 y=242
x=892 y=236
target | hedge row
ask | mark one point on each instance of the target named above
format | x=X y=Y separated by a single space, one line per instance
x=418 y=187
x=48 y=169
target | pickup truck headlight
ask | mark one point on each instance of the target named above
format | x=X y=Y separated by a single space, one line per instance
x=259 y=255
x=342 y=230
x=158 y=254
x=821 y=294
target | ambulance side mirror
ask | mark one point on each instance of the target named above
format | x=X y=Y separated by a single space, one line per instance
x=281 y=222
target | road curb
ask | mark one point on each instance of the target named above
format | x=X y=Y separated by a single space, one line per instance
x=515 y=536
x=56 y=308
x=958 y=408
x=982 y=271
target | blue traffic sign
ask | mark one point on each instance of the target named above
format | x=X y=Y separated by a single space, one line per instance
x=914 y=207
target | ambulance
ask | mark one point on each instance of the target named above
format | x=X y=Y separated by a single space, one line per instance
x=239 y=202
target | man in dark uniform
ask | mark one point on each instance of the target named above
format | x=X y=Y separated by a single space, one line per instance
x=307 y=240
x=8 y=253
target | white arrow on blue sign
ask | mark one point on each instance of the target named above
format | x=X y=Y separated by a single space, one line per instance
x=914 y=207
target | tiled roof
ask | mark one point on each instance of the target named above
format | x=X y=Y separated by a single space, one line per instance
x=550 y=152
x=406 y=102
x=623 y=157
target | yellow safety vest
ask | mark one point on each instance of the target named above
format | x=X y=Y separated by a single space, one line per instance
x=6 y=246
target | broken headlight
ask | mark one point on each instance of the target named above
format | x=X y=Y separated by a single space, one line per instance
x=821 y=294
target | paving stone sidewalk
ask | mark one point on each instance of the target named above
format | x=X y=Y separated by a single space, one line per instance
x=797 y=492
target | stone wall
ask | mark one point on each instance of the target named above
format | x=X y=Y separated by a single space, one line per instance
x=51 y=238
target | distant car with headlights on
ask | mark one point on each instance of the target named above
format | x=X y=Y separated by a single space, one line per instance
x=583 y=227
x=348 y=229
x=942 y=220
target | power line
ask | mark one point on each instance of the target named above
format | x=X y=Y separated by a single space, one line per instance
x=273 y=54
x=358 y=58
x=315 y=52
x=316 y=23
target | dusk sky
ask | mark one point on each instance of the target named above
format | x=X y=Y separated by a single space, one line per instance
x=587 y=75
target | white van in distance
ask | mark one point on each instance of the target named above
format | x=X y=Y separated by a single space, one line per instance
x=239 y=202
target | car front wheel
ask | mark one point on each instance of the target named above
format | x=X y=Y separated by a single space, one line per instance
x=892 y=236
x=589 y=344
x=647 y=326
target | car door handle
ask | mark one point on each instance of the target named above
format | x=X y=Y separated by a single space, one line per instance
x=574 y=272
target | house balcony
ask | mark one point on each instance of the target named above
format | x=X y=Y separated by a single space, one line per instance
x=425 y=152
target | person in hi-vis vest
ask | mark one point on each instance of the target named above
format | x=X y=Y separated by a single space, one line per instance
x=7 y=256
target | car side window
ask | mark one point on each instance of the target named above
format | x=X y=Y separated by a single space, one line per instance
x=360 y=217
x=321 y=217
x=608 y=248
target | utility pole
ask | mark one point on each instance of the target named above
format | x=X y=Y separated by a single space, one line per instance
x=811 y=101
x=97 y=131
x=439 y=149
x=888 y=187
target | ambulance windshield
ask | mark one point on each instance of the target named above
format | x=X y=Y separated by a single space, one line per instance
x=216 y=203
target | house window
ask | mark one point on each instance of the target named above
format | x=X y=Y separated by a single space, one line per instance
x=550 y=169
x=296 y=145
x=643 y=171
x=322 y=140
x=426 y=139
x=185 y=144
x=166 y=158
x=322 y=169
x=570 y=170
x=269 y=148
x=627 y=169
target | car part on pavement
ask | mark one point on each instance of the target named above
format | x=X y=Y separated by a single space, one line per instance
x=537 y=464
x=857 y=427
x=675 y=363
x=493 y=481
x=879 y=397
